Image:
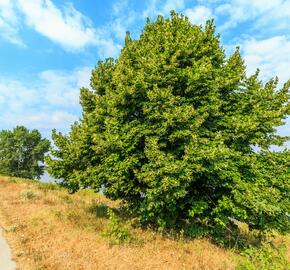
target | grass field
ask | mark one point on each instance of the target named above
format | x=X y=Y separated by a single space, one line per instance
x=49 y=229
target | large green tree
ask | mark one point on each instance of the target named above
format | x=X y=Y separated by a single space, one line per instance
x=22 y=152
x=170 y=128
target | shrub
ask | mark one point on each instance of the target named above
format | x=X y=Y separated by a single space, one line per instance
x=266 y=257
x=28 y=194
x=117 y=231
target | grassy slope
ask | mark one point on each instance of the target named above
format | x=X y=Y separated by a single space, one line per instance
x=55 y=230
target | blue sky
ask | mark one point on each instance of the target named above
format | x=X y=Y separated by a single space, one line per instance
x=48 y=47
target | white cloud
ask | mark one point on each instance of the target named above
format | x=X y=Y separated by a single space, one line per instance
x=50 y=102
x=198 y=14
x=277 y=17
x=267 y=13
x=39 y=120
x=15 y=96
x=67 y=26
x=62 y=88
x=9 y=22
x=271 y=55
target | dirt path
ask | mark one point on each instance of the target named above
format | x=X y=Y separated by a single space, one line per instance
x=6 y=262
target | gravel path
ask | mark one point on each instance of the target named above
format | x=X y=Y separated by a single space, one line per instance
x=6 y=262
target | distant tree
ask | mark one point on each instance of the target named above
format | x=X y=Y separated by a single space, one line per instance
x=170 y=129
x=22 y=152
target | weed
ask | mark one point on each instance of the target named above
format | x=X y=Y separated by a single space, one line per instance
x=37 y=257
x=49 y=201
x=23 y=239
x=28 y=194
x=58 y=214
x=16 y=227
x=12 y=180
x=66 y=199
x=74 y=217
x=20 y=254
x=45 y=187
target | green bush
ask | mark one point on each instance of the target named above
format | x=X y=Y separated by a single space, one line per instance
x=117 y=231
x=266 y=257
x=169 y=129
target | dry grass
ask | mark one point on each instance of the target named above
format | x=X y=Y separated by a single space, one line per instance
x=50 y=229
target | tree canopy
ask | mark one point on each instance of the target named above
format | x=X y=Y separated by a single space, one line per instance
x=22 y=152
x=170 y=129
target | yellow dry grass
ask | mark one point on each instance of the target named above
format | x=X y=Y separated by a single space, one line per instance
x=54 y=230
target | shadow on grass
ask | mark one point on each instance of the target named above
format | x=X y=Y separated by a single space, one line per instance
x=100 y=210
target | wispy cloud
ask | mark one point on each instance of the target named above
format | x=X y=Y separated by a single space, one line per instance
x=9 y=23
x=122 y=18
x=270 y=13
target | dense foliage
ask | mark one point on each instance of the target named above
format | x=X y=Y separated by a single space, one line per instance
x=22 y=152
x=170 y=128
